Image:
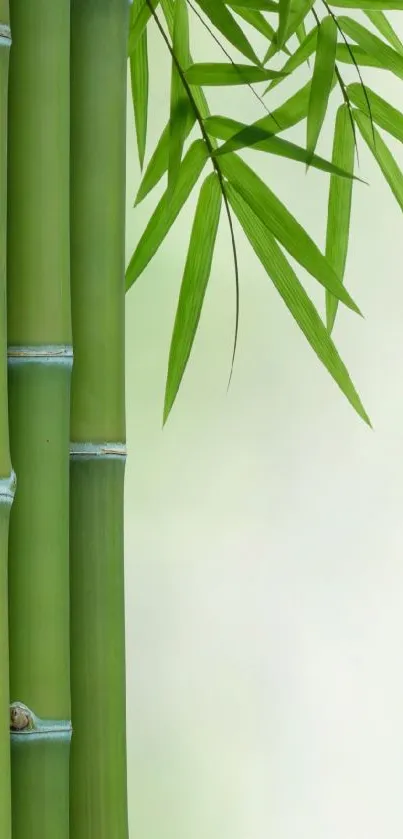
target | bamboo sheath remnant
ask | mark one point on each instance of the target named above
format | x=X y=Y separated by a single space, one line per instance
x=39 y=376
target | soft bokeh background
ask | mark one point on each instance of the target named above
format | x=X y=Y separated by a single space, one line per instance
x=264 y=532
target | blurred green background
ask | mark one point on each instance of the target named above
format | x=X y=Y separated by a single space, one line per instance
x=264 y=531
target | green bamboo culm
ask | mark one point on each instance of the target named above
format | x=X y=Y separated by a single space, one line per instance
x=39 y=372
x=7 y=481
x=98 y=788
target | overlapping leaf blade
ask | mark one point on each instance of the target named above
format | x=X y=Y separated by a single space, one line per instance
x=256 y=19
x=194 y=284
x=339 y=205
x=282 y=224
x=322 y=78
x=383 y=25
x=216 y=74
x=139 y=77
x=385 y=115
x=295 y=297
x=386 y=55
x=180 y=104
x=382 y=155
x=224 y=21
x=283 y=21
x=300 y=55
x=298 y=13
x=139 y=16
x=166 y=212
x=357 y=56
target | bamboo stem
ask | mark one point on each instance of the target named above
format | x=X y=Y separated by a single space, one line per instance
x=40 y=361
x=98 y=795
x=7 y=479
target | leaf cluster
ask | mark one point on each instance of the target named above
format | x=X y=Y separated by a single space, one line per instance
x=295 y=32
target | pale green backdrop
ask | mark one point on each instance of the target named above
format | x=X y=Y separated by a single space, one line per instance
x=264 y=531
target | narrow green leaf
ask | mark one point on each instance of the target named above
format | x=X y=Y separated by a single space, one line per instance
x=215 y=74
x=301 y=32
x=298 y=13
x=223 y=20
x=180 y=105
x=259 y=22
x=295 y=297
x=377 y=5
x=385 y=55
x=322 y=78
x=344 y=54
x=262 y=5
x=166 y=212
x=339 y=205
x=139 y=16
x=301 y=54
x=275 y=216
x=194 y=283
x=382 y=155
x=283 y=20
x=385 y=115
x=381 y=23
x=139 y=84
x=285 y=116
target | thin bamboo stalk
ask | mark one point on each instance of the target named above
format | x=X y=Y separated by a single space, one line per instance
x=6 y=476
x=98 y=795
x=40 y=360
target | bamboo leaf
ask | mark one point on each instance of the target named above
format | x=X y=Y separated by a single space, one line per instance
x=180 y=105
x=285 y=116
x=283 y=20
x=377 y=5
x=301 y=54
x=384 y=54
x=322 y=78
x=139 y=16
x=385 y=115
x=382 y=155
x=344 y=54
x=339 y=205
x=223 y=20
x=166 y=212
x=139 y=85
x=259 y=22
x=216 y=74
x=262 y=5
x=301 y=32
x=275 y=216
x=298 y=13
x=194 y=284
x=381 y=23
x=295 y=297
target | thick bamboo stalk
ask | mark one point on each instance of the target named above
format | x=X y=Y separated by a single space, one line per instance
x=98 y=796
x=7 y=482
x=40 y=360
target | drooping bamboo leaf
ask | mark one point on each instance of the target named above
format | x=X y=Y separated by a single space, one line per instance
x=382 y=155
x=194 y=284
x=285 y=116
x=259 y=22
x=321 y=80
x=339 y=205
x=301 y=54
x=301 y=32
x=216 y=74
x=345 y=55
x=382 y=24
x=283 y=20
x=224 y=21
x=166 y=212
x=384 y=54
x=139 y=85
x=282 y=224
x=298 y=13
x=295 y=297
x=139 y=17
x=180 y=105
x=385 y=115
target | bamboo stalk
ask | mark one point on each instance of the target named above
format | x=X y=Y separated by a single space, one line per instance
x=98 y=795
x=7 y=481
x=40 y=360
